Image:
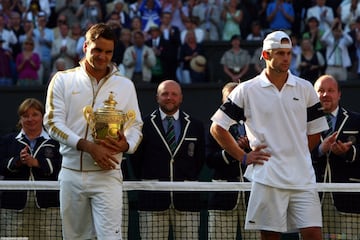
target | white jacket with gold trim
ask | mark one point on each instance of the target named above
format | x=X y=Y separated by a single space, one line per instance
x=68 y=93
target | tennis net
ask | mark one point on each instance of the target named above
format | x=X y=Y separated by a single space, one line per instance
x=32 y=223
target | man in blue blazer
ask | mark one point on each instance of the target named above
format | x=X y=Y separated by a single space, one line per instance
x=178 y=159
x=337 y=160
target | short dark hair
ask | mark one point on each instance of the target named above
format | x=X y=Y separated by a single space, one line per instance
x=138 y=33
x=100 y=30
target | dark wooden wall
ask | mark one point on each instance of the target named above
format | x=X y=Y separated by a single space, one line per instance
x=200 y=100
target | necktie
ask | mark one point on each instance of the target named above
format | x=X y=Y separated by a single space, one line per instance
x=234 y=130
x=170 y=133
x=329 y=119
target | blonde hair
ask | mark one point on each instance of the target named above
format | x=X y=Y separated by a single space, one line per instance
x=27 y=104
x=227 y=89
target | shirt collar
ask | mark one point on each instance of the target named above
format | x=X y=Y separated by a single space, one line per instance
x=111 y=66
x=43 y=134
x=265 y=82
x=164 y=115
x=335 y=112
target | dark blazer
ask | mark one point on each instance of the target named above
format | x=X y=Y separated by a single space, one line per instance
x=229 y=170
x=171 y=53
x=153 y=161
x=342 y=169
x=46 y=151
x=169 y=50
x=159 y=51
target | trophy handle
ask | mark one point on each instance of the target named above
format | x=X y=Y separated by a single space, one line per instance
x=89 y=117
x=130 y=115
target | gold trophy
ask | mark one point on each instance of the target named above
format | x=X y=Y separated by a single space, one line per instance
x=107 y=121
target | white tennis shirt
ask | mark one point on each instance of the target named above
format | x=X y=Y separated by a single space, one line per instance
x=281 y=120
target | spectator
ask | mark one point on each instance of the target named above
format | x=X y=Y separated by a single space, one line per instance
x=354 y=48
x=136 y=24
x=227 y=209
x=300 y=9
x=17 y=6
x=187 y=10
x=349 y=13
x=75 y=31
x=280 y=15
x=209 y=17
x=192 y=24
x=336 y=160
x=323 y=13
x=7 y=35
x=139 y=59
x=314 y=33
x=5 y=63
x=150 y=12
x=42 y=5
x=29 y=33
x=175 y=10
x=45 y=37
x=236 y=60
x=53 y=14
x=68 y=8
x=335 y=6
x=124 y=18
x=65 y=47
x=28 y=65
x=248 y=15
x=61 y=19
x=171 y=35
x=172 y=149
x=310 y=63
x=59 y=65
x=232 y=17
x=261 y=14
x=33 y=9
x=30 y=155
x=80 y=43
x=257 y=33
x=123 y=43
x=337 y=55
x=89 y=13
x=134 y=9
x=189 y=51
x=158 y=45
x=18 y=30
x=258 y=63
x=296 y=51
x=114 y=22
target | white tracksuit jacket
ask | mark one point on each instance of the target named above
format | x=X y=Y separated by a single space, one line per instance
x=68 y=93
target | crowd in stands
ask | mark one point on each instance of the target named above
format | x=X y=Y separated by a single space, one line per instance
x=163 y=39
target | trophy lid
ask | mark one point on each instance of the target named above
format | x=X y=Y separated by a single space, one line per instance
x=109 y=104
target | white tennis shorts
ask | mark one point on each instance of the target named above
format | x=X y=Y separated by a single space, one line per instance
x=282 y=210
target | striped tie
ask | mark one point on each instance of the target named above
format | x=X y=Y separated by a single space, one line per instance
x=329 y=119
x=170 y=133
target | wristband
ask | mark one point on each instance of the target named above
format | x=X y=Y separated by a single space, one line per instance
x=243 y=162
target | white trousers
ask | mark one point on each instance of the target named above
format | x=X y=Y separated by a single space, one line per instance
x=91 y=204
